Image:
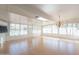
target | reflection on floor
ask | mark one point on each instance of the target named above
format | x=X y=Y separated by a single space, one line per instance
x=41 y=46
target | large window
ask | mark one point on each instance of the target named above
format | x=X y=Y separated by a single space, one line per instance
x=47 y=29
x=23 y=29
x=36 y=30
x=62 y=30
x=75 y=29
x=18 y=29
x=12 y=29
x=55 y=29
x=66 y=29
x=69 y=29
x=18 y=24
x=50 y=29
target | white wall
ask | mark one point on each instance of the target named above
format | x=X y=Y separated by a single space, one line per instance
x=4 y=20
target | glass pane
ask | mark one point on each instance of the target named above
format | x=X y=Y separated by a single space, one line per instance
x=55 y=29
x=12 y=32
x=36 y=30
x=47 y=29
x=23 y=29
x=12 y=26
x=17 y=26
x=17 y=32
x=62 y=30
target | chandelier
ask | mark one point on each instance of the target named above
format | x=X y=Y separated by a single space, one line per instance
x=59 y=23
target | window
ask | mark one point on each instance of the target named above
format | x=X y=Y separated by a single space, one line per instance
x=62 y=30
x=66 y=29
x=14 y=29
x=75 y=29
x=69 y=29
x=36 y=30
x=18 y=29
x=55 y=29
x=47 y=29
x=23 y=29
x=18 y=24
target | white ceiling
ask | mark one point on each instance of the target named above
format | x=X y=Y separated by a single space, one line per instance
x=67 y=12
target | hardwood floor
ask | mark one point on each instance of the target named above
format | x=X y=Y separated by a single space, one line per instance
x=40 y=46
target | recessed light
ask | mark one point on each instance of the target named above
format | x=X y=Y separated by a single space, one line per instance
x=41 y=18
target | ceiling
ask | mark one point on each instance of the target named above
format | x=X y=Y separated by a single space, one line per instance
x=67 y=12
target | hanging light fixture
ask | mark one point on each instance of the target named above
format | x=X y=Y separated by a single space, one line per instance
x=59 y=23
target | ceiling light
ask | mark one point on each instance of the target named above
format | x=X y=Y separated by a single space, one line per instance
x=41 y=18
x=60 y=22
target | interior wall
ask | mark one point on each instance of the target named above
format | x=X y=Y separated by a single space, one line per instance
x=4 y=13
x=5 y=20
